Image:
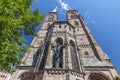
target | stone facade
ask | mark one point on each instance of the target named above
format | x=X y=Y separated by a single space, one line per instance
x=5 y=76
x=65 y=50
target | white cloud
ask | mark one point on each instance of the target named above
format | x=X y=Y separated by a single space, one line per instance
x=64 y=5
x=55 y=10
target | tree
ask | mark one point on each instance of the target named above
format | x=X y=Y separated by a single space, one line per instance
x=16 y=19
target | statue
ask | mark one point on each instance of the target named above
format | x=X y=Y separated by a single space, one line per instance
x=57 y=60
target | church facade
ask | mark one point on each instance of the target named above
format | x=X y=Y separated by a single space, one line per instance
x=65 y=50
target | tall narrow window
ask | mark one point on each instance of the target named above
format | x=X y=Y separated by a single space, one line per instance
x=58 y=54
x=75 y=65
x=35 y=58
x=44 y=55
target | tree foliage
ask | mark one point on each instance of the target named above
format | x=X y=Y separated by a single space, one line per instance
x=16 y=19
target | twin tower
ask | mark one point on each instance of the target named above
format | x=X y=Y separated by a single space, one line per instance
x=65 y=50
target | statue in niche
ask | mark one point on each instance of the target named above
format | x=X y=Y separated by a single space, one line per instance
x=57 y=59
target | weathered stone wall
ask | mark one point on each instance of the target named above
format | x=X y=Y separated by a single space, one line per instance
x=91 y=58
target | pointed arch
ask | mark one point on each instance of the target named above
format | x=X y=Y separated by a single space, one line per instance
x=42 y=64
x=35 y=58
x=51 y=18
x=27 y=76
x=73 y=16
x=58 y=53
x=98 y=76
x=59 y=40
x=76 y=23
x=74 y=59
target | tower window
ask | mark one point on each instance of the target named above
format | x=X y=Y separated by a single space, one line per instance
x=73 y=16
x=65 y=27
x=76 y=23
x=60 y=26
x=51 y=18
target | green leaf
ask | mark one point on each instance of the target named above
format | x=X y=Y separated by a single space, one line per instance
x=16 y=19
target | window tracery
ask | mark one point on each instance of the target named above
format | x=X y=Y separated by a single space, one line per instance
x=58 y=54
x=96 y=76
x=44 y=55
x=74 y=60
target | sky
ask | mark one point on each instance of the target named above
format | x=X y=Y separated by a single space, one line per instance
x=101 y=16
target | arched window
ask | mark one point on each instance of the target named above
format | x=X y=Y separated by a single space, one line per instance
x=51 y=18
x=75 y=65
x=76 y=23
x=35 y=58
x=96 y=76
x=42 y=64
x=58 y=54
x=27 y=76
x=60 y=26
x=73 y=16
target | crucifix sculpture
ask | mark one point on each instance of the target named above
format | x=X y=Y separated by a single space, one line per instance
x=57 y=59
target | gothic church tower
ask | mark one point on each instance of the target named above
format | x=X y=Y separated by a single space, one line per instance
x=65 y=50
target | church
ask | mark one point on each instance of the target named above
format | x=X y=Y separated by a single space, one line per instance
x=65 y=50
